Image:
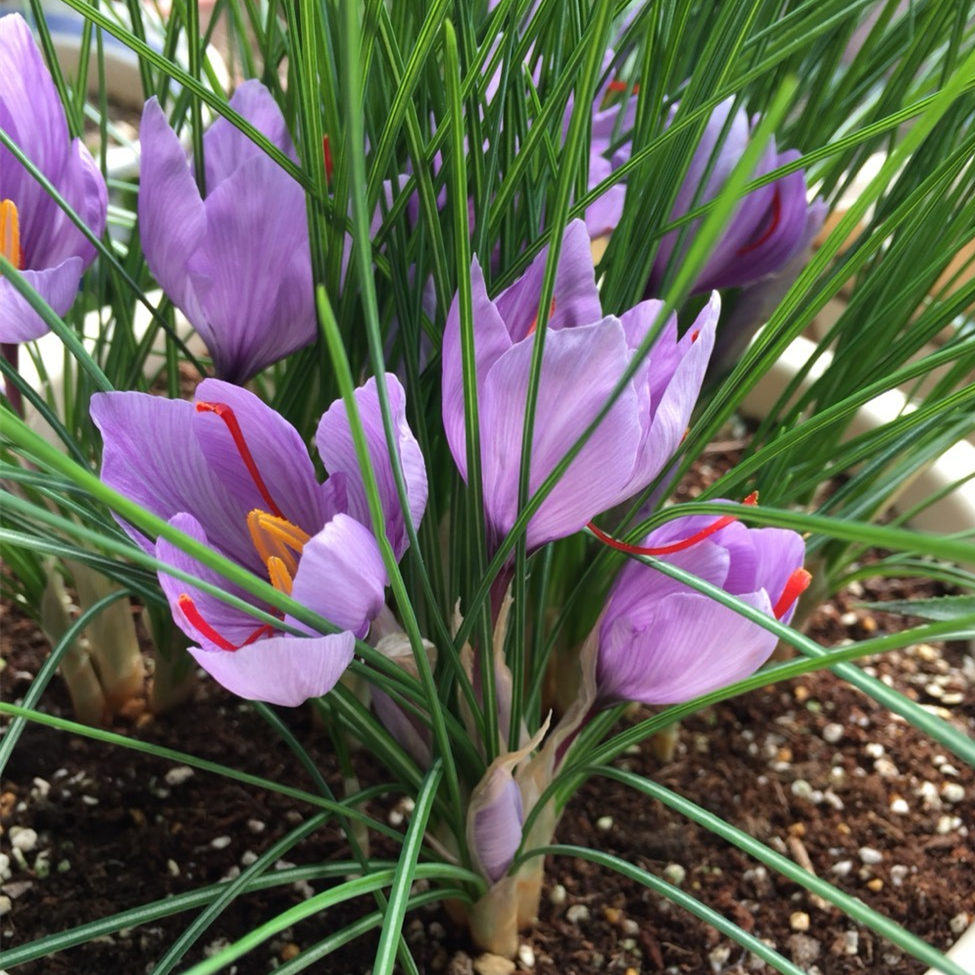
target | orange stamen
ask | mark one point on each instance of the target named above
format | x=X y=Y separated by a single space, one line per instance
x=227 y=415
x=276 y=538
x=279 y=575
x=680 y=546
x=796 y=585
x=10 y=233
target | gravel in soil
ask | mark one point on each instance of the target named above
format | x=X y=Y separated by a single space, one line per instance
x=811 y=767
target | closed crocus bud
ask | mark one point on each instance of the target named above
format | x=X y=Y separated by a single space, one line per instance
x=495 y=822
x=770 y=225
x=236 y=262
x=662 y=642
x=36 y=235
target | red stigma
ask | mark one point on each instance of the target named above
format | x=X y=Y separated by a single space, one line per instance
x=196 y=620
x=617 y=85
x=694 y=335
x=684 y=543
x=229 y=418
x=770 y=229
x=192 y=614
x=327 y=153
x=796 y=585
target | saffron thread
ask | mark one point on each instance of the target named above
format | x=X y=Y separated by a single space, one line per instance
x=230 y=419
x=796 y=585
x=770 y=229
x=680 y=546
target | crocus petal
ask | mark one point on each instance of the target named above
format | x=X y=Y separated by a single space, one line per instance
x=225 y=147
x=661 y=642
x=58 y=286
x=251 y=270
x=53 y=251
x=639 y=588
x=605 y=213
x=341 y=575
x=171 y=214
x=281 y=670
x=497 y=820
x=337 y=450
x=234 y=625
x=774 y=239
x=32 y=115
x=693 y=645
x=580 y=367
x=575 y=299
x=491 y=341
x=279 y=454
x=779 y=553
x=152 y=457
x=82 y=185
x=671 y=412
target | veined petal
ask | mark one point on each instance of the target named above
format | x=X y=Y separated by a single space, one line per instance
x=341 y=575
x=80 y=182
x=225 y=147
x=605 y=213
x=32 y=115
x=691 y=646
x=152 y=457
x=252 y=270
x=337 y=450
x=576 y=299
x=496 y=821
x=639 y=587
x=278 y=452
x=283 y=670
x=233 y=625
x=171 y=214
x=58 y=286
x=776 y=236
x=491 y=341
x=779 y=552
x=671 y=412
x=580 y=367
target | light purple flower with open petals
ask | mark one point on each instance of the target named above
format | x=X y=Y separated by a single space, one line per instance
x=585 y=355
x=36 y=235
x=661 y=642
x=236 y=263
x=234 y=475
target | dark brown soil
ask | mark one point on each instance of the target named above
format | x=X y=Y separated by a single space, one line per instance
x=813 y=768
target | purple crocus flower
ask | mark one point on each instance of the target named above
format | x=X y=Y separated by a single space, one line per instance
x=236 y=263
x=770 y=225
x=585 y=355
x=236 y=476
x=661 y=642
x=36 y=235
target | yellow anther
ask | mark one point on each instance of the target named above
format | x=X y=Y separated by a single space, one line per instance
x=275 y=537
x=280 y=578
x=10 y=233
